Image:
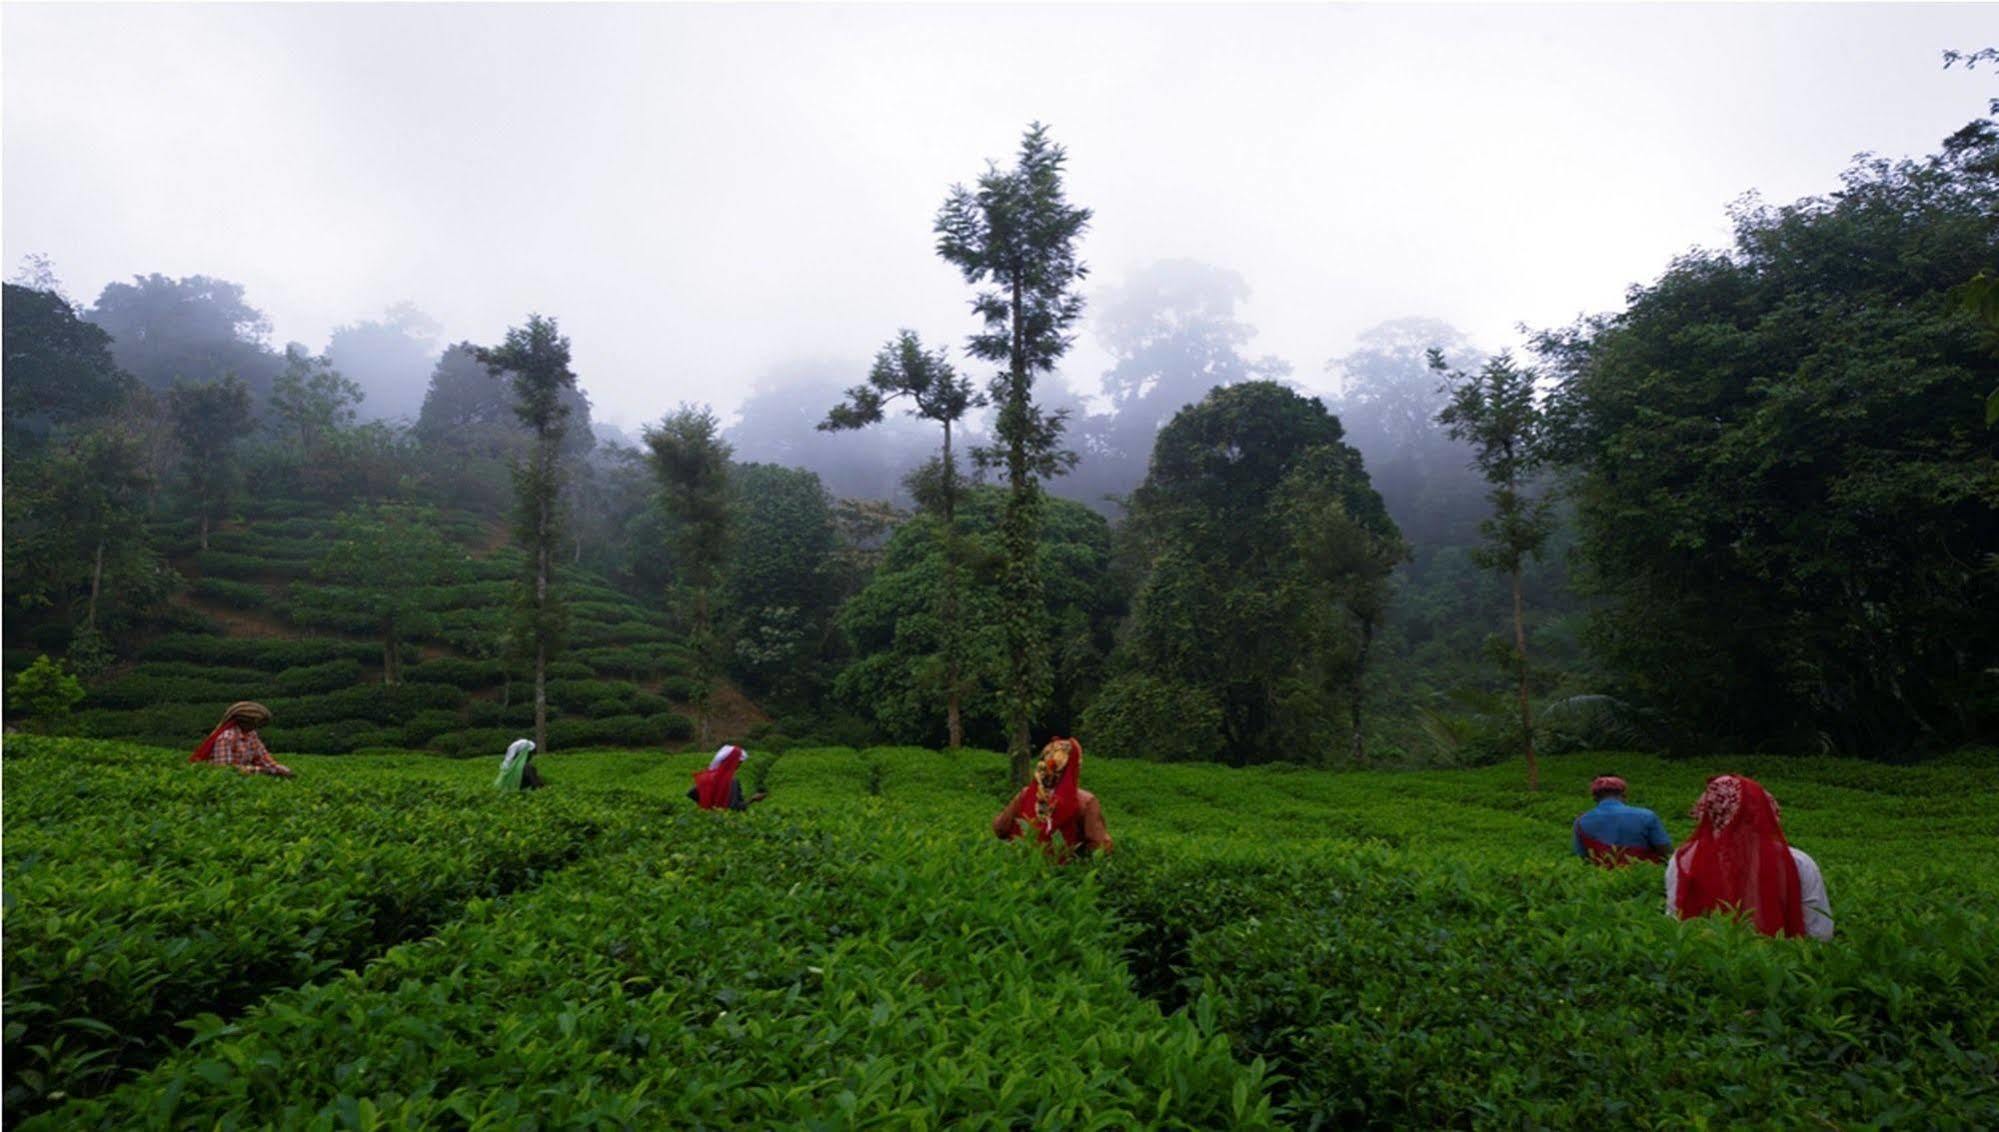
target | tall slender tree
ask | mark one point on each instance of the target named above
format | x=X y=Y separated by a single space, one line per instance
x=904 y=369
x=380 y=561
x=212 y=418
x=535 y=358
x=1015 y=236
x=1494 y=411
x=691 y=461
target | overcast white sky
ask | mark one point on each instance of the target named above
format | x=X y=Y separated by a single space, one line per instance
x=701 y=192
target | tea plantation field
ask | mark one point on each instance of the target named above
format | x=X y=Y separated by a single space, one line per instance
x=385 y=942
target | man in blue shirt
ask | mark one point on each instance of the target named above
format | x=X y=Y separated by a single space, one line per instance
x=1615 y=834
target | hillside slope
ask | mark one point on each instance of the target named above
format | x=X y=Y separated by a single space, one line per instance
x=252 y=623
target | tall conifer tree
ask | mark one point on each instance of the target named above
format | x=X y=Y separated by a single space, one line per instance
x=1015 y=236
x=535 y=358
x=904 y=369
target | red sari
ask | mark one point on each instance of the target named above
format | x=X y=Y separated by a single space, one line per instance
x=1738 y=862
x=711 y=786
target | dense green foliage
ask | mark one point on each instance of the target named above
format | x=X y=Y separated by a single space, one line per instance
x=323 y=678
x=143 y=893
x=779 y=582
x=1264 y=555
x=895 y=630
x=1377 y=949
x=903 y=368
x=1015 y=236
x=59 y=367
x=1784 y=488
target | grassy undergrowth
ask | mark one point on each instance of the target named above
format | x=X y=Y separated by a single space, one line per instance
x=1266 y=945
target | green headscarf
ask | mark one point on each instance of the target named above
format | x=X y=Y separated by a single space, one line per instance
x=514 y=765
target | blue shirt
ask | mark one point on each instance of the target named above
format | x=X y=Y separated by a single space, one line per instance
x=1614 y=823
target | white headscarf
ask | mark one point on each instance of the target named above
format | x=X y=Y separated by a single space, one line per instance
x=515 y=750
x=724 y=753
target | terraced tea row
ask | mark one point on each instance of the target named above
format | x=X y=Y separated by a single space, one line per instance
x=141 y=893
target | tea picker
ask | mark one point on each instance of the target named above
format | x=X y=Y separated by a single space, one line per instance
x=234 y=742
x=1054 y=804
x=517 y=770
x=716 y=788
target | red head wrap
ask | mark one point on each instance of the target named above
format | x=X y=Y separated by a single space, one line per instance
x=1052 y=810
x=1738 y=860
x=711 y=786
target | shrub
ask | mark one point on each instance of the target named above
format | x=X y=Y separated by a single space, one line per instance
x=476 y=742
x=373 y=703
x=427 y=725
x=578 y=696
x=336 y=738
x=670 y=726
x=176 y=725
x=1137 y=716
x=308 y=678
x=467 y=674
x=247 y=567
x=238 y=595
x=182 y=619
x=89 y=653
x=271 y=655
x=45 y=693
x=168 y=893
x=143 y=688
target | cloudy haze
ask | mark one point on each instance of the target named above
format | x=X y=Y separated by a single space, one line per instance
x=704 y=194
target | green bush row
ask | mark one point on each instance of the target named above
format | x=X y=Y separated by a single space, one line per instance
x=146 y=892
x=247 y=567
x=886 y=980
x=470 y=675
x=239 y=595
x=261 y=653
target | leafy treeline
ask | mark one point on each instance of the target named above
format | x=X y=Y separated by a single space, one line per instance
x=1770 y=477
x=1787 y=495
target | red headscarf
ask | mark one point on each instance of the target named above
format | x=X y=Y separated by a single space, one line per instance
x=711 y=786
x=1738 y=860
x=1056 y=810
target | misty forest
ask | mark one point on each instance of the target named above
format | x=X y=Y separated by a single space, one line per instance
x=1394 y=610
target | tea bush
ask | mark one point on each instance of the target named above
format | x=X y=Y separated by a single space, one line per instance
x=783 y=975
x=1373 y=949
x=305 y=679
x=241 y=595
x=470 y=675
x=142 y=891
x=262 y=654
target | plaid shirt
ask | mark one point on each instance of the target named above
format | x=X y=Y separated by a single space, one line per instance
x=245 y=752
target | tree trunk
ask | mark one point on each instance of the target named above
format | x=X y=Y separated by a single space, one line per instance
x=1359 y=674
x=96 y=585
x=1020 y=551
x=954 y=645
x=541 y=696
x=542 y=538
x=704 y=647
x=204 y=529
x=1526 y=711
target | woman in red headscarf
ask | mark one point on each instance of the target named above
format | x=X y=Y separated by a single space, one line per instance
x=1055 y=804
x=1738 y=862
x=716 y=788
